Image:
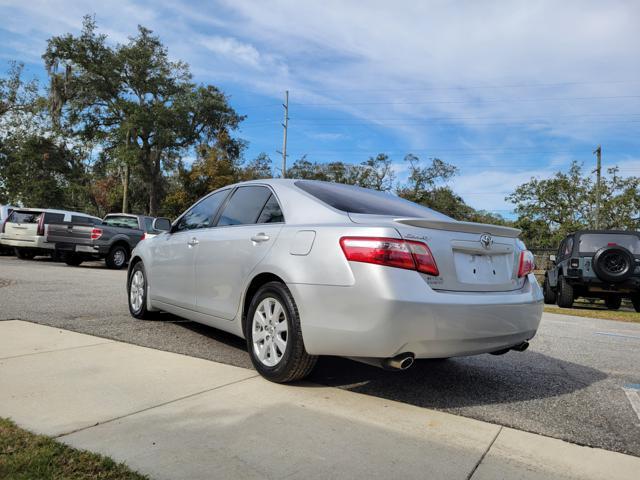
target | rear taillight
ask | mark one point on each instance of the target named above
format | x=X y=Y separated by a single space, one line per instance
x=526 y=264
x=40 y=230
x=96 y=233
x=390 y=252
x=144 y=235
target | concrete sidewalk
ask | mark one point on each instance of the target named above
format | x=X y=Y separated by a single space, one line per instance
x=174 y=416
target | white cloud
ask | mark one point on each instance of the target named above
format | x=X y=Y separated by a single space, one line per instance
x=233 y=49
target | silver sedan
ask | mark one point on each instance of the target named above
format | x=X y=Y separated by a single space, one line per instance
x=303 y=268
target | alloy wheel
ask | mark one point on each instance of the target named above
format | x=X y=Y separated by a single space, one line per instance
x=269 y=332
x=136 y=291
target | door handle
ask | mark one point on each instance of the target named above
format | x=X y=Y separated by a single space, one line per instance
x=193 y=242
x=260 y=237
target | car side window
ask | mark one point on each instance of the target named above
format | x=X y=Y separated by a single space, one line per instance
x=203 y=213
x=271 y=213
x=245 y=206
x=568 y=246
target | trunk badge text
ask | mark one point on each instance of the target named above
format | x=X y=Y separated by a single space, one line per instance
x=486 y=240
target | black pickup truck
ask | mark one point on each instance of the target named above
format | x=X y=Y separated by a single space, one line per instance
x=113 y=239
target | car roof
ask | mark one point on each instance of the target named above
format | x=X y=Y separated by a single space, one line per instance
x=53 y=210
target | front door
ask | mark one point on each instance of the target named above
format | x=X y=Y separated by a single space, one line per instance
x=173 y=254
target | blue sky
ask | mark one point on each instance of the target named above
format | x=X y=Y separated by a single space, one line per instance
x=503 y=90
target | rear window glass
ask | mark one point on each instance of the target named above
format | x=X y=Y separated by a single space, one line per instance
x=83 y=219
x=53 y=217
x=245 y=206
x=120 y=221
x=352 y=199
x=592 y=242
x=271 y=213
x=24 y=217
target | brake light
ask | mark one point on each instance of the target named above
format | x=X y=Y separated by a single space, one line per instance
x=96 y=233
x=40 y=231
x=390 y=252
x=144 y=235
x=527 y=263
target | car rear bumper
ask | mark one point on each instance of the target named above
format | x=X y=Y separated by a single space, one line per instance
x=391 y=311
x=35 y=242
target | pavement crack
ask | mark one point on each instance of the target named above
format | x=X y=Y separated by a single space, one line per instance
x=56 y=350
x=168 y=402
x=484 y=454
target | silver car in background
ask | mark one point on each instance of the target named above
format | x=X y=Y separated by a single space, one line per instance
x=304 y=268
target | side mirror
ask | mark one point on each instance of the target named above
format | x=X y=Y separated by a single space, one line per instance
x=162 y=224
x=552 y=259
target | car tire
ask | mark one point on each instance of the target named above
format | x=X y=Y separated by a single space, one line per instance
x=548 y=293
x=73 y=260
x=613 y=302
x=264 y=323
x=565 y=293
x=137 y=291
x=635 y=300
x=23 y=254
x=117 y=257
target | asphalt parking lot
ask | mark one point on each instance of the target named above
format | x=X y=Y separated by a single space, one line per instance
x=568 y=385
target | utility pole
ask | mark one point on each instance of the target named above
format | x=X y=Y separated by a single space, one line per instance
x=598 y=153
x=284 y=140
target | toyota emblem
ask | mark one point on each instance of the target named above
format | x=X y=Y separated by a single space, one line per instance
x=486 y=240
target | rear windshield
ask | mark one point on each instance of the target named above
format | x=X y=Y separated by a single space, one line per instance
x=83 y=219
x=121 y=221
x=352 y=199
x=24 y=217
x=592 y=242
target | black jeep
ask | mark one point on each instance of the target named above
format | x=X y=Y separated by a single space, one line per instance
x=595 y=264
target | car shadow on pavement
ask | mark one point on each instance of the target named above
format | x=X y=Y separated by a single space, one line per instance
x=462 y=382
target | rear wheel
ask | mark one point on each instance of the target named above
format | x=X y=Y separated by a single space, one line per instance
x=137 y=290
x=117 y=257
x=24 y=254
x=613 y=302
x=565 y=293
x=548 y=293
x=274 y=337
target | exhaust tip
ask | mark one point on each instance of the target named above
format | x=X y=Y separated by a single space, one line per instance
x=521 y=347
x=400 y=362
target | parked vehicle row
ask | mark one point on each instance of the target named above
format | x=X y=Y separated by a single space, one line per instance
x=73 y=237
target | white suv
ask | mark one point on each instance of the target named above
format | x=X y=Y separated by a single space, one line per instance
x=25 y=229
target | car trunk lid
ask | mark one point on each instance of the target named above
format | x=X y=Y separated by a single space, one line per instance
x=471 y=257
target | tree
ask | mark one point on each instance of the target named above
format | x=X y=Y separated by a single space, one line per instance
x=17 y=96
x=134 y=100
x=565 y=202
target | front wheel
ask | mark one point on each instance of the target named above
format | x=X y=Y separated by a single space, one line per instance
x=565 y=293
x=274 y=337
x=137 y=292
x=613 y=302
x=548 y=293
x=117 y=257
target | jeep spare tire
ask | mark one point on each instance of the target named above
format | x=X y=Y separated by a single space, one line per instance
x=613 y=264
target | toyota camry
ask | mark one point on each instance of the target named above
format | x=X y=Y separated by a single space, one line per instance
x=304 y=268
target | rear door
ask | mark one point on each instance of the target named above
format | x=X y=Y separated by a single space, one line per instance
x=246 y=230
x=173 y=254
x=22 y=225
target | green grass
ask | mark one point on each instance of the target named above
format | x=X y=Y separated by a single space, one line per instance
x=24 y=455
x=596 y=310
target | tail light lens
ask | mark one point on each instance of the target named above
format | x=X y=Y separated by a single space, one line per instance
x=40 y=230
x=96 y=233
x=144 y=235
x=527 y=263
x=390 y=252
